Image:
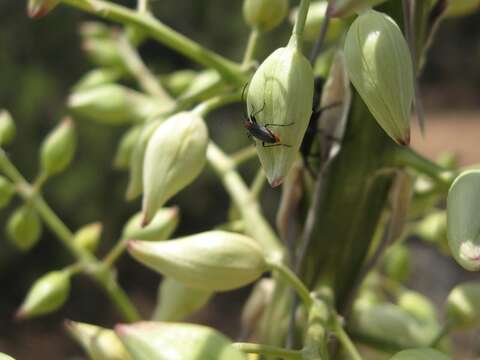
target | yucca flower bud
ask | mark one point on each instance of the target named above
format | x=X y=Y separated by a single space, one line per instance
x=380 y=67
x=346 y=8
x=4 y=356
x=24 y=228
x=7 y=128
x=213 y=260
x=462 y=307
x=462 y=7
x=58 y=148
x=99 y=343
x=125 y=148
x=420 y=354
x=280 y=99
x=88 y=236
x=420 y=307
x=97 y=77
x=205 y=84
x=463 y=223
x=6 y=191
x=39 y=8
x=175 y=156
x=161 y=227
x=154 y=340
x=46 y=295
x=178 y=81
x=397 y=263
x=264 y=15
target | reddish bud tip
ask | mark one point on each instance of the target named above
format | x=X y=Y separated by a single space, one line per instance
x=276 y=182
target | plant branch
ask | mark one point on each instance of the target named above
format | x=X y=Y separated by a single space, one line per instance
x=300 y=21
x=252 y=44
x=268 y=350
x=243 y=155
x=344 y=339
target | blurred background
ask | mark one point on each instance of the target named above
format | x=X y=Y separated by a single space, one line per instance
x=40 y=61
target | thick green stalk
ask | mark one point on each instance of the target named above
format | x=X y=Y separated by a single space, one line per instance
x=267 y=350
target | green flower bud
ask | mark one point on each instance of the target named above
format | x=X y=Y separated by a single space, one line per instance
x=125 y=147
x=168 y=341
x=97 y=77
x=420 y=354
x=6 y=191
x=24 y=228
x=5 y=357
x=264 y=15
x=463 y=223
x=100 y=44
x=420 y=307
x=433 y=228
x=88 y=237
x=462 y=7
x=39 y=8
x=178 y=81
x=380 y=67
x=280 y=97
x=7 y=128
x=397 y=263
x=205 y=84
x=346 y=8
x=161 y=227
x=58 y=148
x=463 y=305
x=213 y=260
x=176 y=301
x=175 y=156
x=99 y=343
x=46 y=295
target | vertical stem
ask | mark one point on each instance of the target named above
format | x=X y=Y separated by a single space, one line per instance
x=251 y=47
x=300 y=21
x=345 y=340
x=143 y=6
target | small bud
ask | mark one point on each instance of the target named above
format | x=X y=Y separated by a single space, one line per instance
x=125 y=148
x=5 y=357
x=58 y=148
x=463 y=305
x=463 y=223
x=264 y=15
x=88 y=237
x=176 y=301
x=175 y=156
x=160 y=228
x=433 y=228
x=420 y=307
x=280 y=97
x=397 y=263
x=96 y=77
x=46 y=295
x=346 y=8
x=6 y=191
x=99 y=343
x=24 y=228
x=420 y=354
x=462 y=7
x=158 y=340
x=100 y=45
x=178 y=81
x=39 y=8
x=7 y=128
x=380 y=67
x=205 y=84
x=213 y=260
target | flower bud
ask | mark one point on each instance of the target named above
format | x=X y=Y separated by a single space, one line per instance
x=178 y=81
x=39 y=8
x=176 y=301
x=125 y=148
x=97 y=77
x=7 y=128
x=420 y=354
x=4 y=356
x=380 y=67
x=346 y=8
x=205 y=84
x=100 y=45
x=58 y=148
x=160 y=228
x=397 y=263
x=463 y=223
x=154 y=340
x=462 y=7
x=175 y=156
x=24 y=228
x=213 y=260
x=88 y=237
x=420 y=307
x=264 y=15
x=280 y=98
x=433 y=228
x=99 y=343
x=462 y=307
x=46 y=295
x=6 y=191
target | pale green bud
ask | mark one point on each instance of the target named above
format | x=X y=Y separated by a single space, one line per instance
x=346 y=8
x=420 y=307
x=7 y=128
x=462 y=7
x=397 y=263
x=175 y=156
x=125 y=148
x=168 y=341
x=6 y=191
x=97 y=77
x=463 y=223
x=176 y=301
x=380 y=67
x=264 y=15
x=24 y=228
x=463 y=305
x=420 y=354
x=433 y=228
x=178 y=81
x=100 y=45
x=205 y=84
x=99 y=343
x=281 y=93
x=58 y=148
x=46 y=295
x=39 y=8
x=161 y=227
x=5 y=357
x=213 y=260
x=88 y=236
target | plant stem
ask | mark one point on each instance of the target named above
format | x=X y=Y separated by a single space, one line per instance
x=252 y=43
x=115 y=252
x=143 y=6
x=268 y=350
x=258 y=183
x=344 y=339
x=300 y=21
x=217 y=102
x=243 y=155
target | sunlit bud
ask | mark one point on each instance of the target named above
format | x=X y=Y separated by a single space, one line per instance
x=462 y=7
x=39 y=8
x=5 y=357
x=99 y=343
x=7 y=128
x=213 y=260
x=88 y=237
x=420 y=354
x=6 y=191
x=345 y=8
x=153 y=340
x=463 y=305
x=97 y=77
x=280 y=97
x=46 y=295
x=178 y=81
x=175 y=156
x=125 y=147
x=176 y=301
x=463 y=222
x=419 y=306
x=264 y=15
x=24 y=228
x=58 y=148
x=161 y=227
x=379 y=66
x=257 y=302
x=397 y=263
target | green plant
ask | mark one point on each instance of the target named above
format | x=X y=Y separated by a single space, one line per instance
x=357 y=202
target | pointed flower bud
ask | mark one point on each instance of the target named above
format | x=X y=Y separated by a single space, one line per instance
x=346 y=8
x=421 y=308
x=125 y=147
x=175 y=156
x=463 y=223
x=46 y=295
x=280 y=99
x=97 y=77
x=168 y=341
x=213 y=260
x=99 y=343
x=397 y=263
x=420 y=354
x=6 y=191
x=264 y=15
x=380 y=67
x=7 y=128
x=88 y=236
x=462 y=7
x=160 y=228
x=462 y=307
x=24 y=228
x=58 y=148
x=39 y=8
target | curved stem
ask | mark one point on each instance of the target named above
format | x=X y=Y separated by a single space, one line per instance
x=344 y=339
x=441 y=334
x=268 y=350
x=115 y=252
x=217 y=102
x=300 y=21
x=243 y=155
x=252 y=43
